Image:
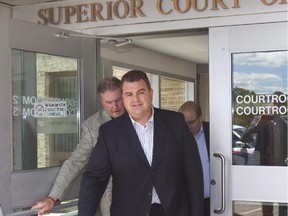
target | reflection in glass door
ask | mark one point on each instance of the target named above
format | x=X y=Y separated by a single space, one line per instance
x=45 y=108
x=260 y=108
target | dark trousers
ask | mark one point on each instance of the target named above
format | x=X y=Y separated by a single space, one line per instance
x=207 y=207
x=156 y=210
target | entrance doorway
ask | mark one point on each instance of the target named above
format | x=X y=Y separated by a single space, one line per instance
x=235 y=188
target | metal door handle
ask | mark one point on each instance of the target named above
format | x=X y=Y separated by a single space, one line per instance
x=223 y=198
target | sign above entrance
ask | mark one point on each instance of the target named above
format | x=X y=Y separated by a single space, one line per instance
x=87 y=14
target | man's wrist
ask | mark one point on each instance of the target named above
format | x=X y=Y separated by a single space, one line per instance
x=55 y=200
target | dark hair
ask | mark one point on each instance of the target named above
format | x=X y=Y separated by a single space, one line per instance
x=108 y=84
x=135 y=75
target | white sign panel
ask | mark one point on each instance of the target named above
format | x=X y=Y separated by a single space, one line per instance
x=50 y=109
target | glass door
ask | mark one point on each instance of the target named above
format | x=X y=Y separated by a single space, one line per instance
x=48 y=102
x=248 y=120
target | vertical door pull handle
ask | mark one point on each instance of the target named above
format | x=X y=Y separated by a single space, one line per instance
x=223 y=199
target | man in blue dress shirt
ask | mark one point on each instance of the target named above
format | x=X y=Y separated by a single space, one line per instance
x=200 y=130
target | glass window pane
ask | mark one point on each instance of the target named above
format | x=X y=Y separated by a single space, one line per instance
x=45 y=109
x=260 y=108
x=119 y=72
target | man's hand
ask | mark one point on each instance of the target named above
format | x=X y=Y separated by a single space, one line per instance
x=45 y=205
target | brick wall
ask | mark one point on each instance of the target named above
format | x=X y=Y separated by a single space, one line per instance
x=172 y=93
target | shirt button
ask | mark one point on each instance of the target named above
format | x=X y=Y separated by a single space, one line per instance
x=150 y=194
